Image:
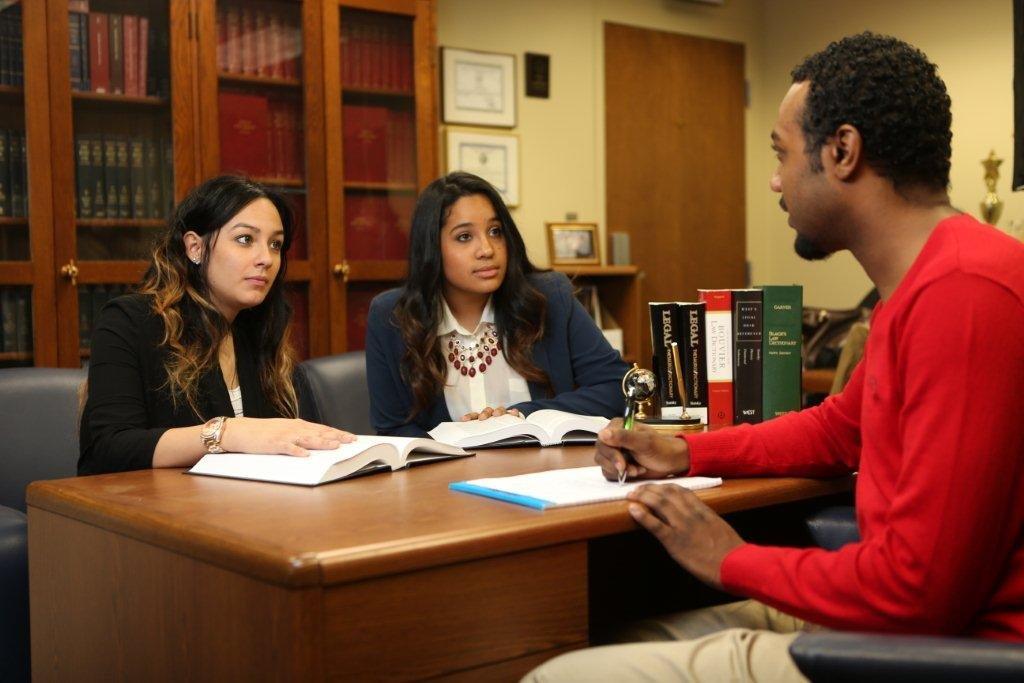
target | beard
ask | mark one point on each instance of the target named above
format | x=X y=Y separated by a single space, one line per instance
x=808 y=250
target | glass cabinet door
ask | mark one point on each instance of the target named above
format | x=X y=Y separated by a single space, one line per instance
x=261 y=120
x=387 y=144
x=122 y=127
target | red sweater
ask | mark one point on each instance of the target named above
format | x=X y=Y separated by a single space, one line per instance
x=933 y=420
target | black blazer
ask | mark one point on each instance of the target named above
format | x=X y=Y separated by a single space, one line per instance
x=129 y=405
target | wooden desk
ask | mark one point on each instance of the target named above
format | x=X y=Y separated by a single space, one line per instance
x=158 y=574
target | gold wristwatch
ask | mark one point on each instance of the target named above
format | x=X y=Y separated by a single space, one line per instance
x=210 y=436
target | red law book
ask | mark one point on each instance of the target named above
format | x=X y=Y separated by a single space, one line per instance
x=365 y=143
x=295 y=63
x=276 y=156
x=248 y=36
x=131 y=55
x=405 y=52
x=718 y=329
x=396 y=240
x=222 y=39
x=233 y=47
x=143 y=54
x=346 y=54
x=358 y=309
x=263 y=66
x=365 y=226
x=99 y=51
x=276 y=58
x=299 y=300
x=244 y=126
x=296 y=148
x=297 y=201
x=116 y=25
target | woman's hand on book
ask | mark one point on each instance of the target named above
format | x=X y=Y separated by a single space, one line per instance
x=490 y=412
x=650 y=455
x=280 y=436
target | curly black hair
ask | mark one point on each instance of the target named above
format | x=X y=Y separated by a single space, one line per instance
x=892 y=94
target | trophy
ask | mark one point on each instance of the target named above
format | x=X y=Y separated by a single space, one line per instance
x=992 y=205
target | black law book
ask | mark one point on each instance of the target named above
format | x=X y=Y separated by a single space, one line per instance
x=123 y=175
x=747 y=325
x=23 y=321
x=110 y=174
x=665 y=331
x=693 y=357
x=83 y=176
x=137 y=178
x=5 y=173
x=167 y=176
x=8 y=319
x=16 y=166
x=99 y=186
x=151 y=174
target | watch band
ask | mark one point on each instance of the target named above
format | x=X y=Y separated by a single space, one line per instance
x=211 y=435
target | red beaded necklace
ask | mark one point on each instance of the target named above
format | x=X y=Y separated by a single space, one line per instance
x=468 y=358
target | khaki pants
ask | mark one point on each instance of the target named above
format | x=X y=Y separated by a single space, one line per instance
x=740 y=641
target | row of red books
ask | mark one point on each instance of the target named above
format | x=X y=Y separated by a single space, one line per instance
x=110 y=53
x=261 y=135
x=377 y=226
x=358 y=304
x=258 y=39
x=379 y=144
x=298 y=297
x=376 y=53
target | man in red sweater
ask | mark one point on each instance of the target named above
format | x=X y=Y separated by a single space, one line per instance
x=931 y=419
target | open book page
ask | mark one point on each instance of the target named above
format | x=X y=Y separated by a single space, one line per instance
x=320 y=466
x=561 y=488
x=558 y=423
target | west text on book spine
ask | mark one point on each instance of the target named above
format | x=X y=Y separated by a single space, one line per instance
x=747 y=375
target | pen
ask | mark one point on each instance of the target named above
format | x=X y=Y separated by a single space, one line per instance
x=627 y=423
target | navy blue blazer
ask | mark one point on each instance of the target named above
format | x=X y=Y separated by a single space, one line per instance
x=585 y=371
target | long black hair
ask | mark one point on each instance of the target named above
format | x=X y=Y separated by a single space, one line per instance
x=519 y=308
x=180 y=293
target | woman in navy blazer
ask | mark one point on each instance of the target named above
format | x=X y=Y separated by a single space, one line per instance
x=476 y=327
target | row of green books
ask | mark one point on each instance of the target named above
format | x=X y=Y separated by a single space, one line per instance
x=733 y=356
x=123 y=177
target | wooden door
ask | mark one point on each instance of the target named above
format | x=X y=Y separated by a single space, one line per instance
x=674 y=160
x=121 y=112
x=381 y=117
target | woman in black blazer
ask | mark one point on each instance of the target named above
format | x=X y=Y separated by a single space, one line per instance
x=197 y=361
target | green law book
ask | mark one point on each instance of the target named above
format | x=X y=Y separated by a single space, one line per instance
x=783 y=305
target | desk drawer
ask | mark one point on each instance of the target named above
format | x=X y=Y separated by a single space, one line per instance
x=448 y=619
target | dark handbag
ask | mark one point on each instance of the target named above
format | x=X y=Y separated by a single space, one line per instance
x=825 y=330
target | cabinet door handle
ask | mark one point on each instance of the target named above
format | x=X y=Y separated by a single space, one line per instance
x=341 y=270
x=70 y=272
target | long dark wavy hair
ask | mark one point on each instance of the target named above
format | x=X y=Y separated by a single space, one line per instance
x=519 y=308
x=180 y=295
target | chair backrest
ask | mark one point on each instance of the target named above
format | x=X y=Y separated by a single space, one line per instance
x=853 y=349
x=39 y=416
x=338 y=387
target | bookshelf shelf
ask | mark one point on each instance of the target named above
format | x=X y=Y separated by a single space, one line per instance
x=228 y=78
x=380 y=187
x=11 y=92
x=101 y=99
x=290 y=183
x=14 y=356
x=377 y=92
x=13 y=221
x=598 y=271
x=120 y=223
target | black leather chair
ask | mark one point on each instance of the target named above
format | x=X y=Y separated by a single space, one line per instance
x=39 y=425
x=848 y=657
x=336 y=392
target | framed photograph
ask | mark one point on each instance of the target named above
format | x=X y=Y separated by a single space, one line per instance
x=478 y=88
x=573 y=244
x=492 y=156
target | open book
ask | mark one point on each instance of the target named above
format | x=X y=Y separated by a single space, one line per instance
x=546 y=427
x=562 y=488
x=365 y=454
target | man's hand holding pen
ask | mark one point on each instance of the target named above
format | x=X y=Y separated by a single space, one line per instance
x=692 y=533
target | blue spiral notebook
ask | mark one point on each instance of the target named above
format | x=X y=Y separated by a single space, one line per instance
x=564 y=488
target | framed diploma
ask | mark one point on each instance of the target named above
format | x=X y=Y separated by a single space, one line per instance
x=478 y=88
x=492 y=156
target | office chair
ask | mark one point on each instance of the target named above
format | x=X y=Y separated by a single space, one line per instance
x=335 y=392
x=39 y=421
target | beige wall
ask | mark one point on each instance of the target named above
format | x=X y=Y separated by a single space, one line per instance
x=562 y=138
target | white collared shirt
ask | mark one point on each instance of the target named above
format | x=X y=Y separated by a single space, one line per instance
x=499 y=385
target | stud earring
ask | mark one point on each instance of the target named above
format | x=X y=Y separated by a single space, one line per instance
x=196 y=260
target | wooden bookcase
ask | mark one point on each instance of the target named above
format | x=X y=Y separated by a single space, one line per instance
x=618 y=288
x=59 y=262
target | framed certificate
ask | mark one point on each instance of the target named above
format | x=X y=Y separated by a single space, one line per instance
x=478 y=88
x=492 y=156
